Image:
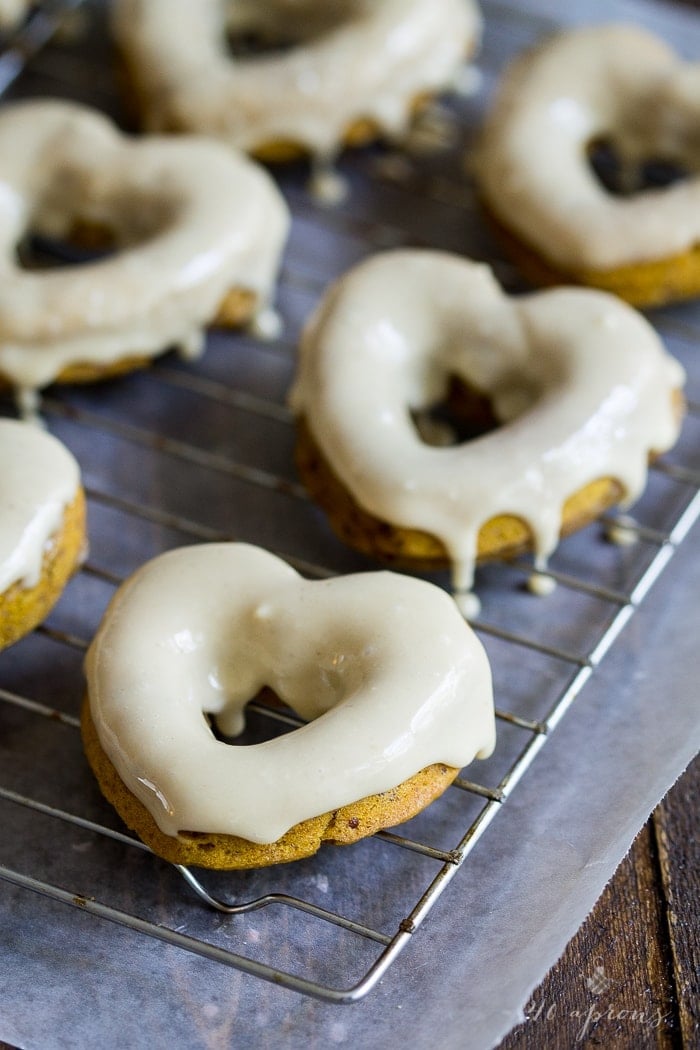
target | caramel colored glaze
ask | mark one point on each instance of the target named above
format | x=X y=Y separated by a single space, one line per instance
x=580 y=382
x=23 y=608
x=191 y=231
x=643 y=284
x=83 y=372
x=617 y=84
x=236 y=310
x=227 y=852
x=383 y=668
x=347 y=78
x=501 y=537
x=361 y=132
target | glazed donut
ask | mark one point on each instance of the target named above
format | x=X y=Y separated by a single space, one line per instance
x=198 y=228
x=579 y=383
x=394 y=686
x=354 y=67
x=614 y=85
x=42 y=526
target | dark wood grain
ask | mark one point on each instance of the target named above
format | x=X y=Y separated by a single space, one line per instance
x=676 y=825
x=629 y=979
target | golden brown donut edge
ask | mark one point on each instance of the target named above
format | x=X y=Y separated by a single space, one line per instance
x=228 y=852
x=23 y=608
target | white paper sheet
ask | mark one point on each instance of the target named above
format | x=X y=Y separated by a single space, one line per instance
x=69 y=979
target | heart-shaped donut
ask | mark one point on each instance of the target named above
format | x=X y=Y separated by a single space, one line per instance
x=42 y=525
x=352 y=67
x=580 y=389
x=394 y=685
x=194 y=225
x=615 y=85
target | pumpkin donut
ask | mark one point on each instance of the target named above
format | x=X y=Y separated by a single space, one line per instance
x=197 y=230
x=578 y=384
x=615 y=86
x=395 y=687
x=354 y=67
x=42 y=526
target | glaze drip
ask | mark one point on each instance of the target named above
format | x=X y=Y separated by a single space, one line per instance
x=191 y=218
x=578 y=381
x=369 y=62
x=384 y=668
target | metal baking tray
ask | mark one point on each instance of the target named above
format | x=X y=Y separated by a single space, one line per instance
x=185 y=453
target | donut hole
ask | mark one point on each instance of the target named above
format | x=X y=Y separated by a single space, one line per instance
x=84 y=245
x=253 y=29
x=251 y=43
x=463 y=414
x=72 y=228
x=623 y=177
x=258 y=726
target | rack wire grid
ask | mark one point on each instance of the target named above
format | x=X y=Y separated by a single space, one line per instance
x=198 y=452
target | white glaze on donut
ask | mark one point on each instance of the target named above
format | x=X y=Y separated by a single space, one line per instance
x=617 y=83
x=580 y=382
x=191 y=218
x=39 y=478
x=367 y=59
x=389 y=674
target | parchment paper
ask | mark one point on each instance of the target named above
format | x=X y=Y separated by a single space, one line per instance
x=67 y=979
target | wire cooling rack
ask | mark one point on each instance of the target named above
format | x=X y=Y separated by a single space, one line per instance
x=190 y=453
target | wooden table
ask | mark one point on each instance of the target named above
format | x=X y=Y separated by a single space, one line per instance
x=630 y=978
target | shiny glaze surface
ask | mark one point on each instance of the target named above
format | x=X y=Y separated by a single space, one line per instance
x=368 y=59
x=388 y=673
x=580 y=383
x=616 y=83
x=190 y=220
x=38 y=479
